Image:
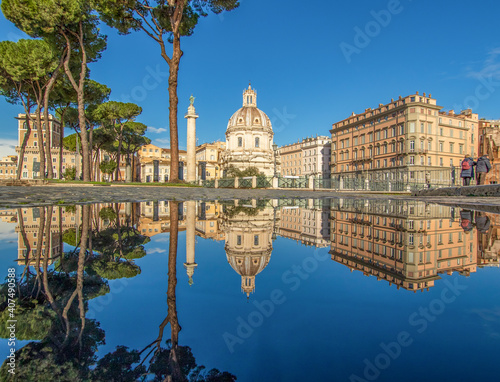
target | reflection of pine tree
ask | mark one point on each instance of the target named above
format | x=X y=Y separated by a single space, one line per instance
x=173 y=362
x=52 y=305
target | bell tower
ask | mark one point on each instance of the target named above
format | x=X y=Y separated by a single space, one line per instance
x=249 y=97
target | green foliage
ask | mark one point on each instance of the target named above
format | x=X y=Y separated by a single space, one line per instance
x=69 y=173
x=26 y=59
x=117 y=366
x=112 y=270
x=114 y=114
x=70 y=209
x=69 y=237
x=233 y=172
x=33 y=320
x=107 y=213
x=136 y=253
x=39 y=362
x=108 y=166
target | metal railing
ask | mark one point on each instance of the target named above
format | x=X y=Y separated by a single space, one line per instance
x=296 y=182
x=264 y=182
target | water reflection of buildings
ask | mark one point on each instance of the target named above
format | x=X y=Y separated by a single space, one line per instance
x=306 y=221
x=489 y=242
x=407 y=243
x=248 y=232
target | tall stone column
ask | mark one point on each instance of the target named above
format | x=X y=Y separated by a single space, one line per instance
x=190 y=264
x=191 y=141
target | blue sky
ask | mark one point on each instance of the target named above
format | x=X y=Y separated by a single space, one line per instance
x=308 y=62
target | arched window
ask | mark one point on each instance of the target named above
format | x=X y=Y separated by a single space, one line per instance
x=257 y=142
x=240 y=142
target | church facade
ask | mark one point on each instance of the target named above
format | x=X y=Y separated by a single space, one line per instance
x=249 y=138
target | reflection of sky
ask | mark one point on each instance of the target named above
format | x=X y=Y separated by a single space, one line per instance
x=323 y=331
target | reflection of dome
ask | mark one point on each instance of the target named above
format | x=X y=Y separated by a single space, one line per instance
x=248 y=264
x=249 y=244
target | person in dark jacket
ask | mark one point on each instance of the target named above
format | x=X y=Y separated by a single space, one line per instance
x=483 y=166
x=467 y=170
x=482 y=222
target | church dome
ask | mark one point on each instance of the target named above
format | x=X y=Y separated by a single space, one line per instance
x=249 y=117
x=248 y=264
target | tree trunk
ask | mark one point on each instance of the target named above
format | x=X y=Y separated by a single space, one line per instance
x=40 y=142
x=173 y=107
x=46 y=95
x=79 y=88
x=61 y=137
x=118 y=155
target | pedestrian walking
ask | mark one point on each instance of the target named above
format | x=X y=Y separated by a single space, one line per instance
x=483 y=166
x=467 y=171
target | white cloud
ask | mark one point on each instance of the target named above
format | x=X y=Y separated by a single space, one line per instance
x=157 y=131
x=7 y=147
x=156 y=250
x=163 y=141
x=491 y=66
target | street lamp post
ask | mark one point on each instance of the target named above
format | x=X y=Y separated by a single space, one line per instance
x=275 y=150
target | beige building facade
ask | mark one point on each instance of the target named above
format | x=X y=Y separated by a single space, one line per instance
x=410 y=133
x=489 y=144
x=309 y=157
x=208 y=160
x=8 y=167
x=155 y=164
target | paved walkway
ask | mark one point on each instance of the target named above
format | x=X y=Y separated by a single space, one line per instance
x=15 y=196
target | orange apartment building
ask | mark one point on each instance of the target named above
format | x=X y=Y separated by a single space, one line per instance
x=406 y=243
x=410 y=134
x=489 y=144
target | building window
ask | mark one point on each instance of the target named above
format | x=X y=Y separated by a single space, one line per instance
x=411 y=160
x=238 y=240
x=412 y=146
x=257 y=142
x=256 y=240
x=440 y=147
x=240 y=142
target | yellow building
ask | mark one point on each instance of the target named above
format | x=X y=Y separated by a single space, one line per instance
x=155 y=164
x=8 y=167
x=410 y=133
x=208 y=160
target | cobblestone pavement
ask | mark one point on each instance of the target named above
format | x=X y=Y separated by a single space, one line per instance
x=15 y=196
